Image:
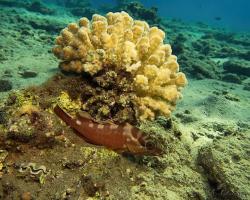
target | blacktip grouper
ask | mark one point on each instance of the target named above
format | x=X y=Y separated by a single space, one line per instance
x=122 y=138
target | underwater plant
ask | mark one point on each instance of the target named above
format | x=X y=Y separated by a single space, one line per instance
x=118 y=43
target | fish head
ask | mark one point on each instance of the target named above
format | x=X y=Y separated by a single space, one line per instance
x=150 y=147
x=153 y=149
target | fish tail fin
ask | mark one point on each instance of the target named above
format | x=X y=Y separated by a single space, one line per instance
x=63 y=116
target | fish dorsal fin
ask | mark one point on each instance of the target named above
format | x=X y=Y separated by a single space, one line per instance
x=84 y=115
x=107 y=122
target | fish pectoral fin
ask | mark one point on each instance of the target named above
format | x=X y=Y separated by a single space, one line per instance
x=85 y=115
x=136 y=149
x=106 y=122
x=85 y=138
x=119 y=151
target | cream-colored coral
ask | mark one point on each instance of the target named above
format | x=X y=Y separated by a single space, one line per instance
x=119 y=41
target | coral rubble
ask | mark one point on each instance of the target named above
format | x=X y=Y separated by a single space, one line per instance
x=121 y=43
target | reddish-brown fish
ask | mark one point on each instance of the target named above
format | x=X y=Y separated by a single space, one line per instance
x=120 y=138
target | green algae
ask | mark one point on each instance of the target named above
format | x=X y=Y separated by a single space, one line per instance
x=21 y=130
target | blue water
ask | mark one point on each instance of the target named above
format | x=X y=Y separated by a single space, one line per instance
x=230 y=14
x=233 y=15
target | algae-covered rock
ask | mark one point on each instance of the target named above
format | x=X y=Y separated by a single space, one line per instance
x=38 y=6
x=83 y=11
x=230 y=77
x=239 y=67
x=12 y=3
x=198 y=67
x=227 y=163
x=24 y=121
x=247 y=86
x=173 y=175
x=5 y=85
x=21 y=130
x=137 y=10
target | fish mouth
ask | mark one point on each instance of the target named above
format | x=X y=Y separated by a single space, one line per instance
x=155 y=152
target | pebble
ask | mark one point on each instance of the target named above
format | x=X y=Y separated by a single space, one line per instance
x=128 y=171
x=70 y=191
x=28 y=74
x=26 y=196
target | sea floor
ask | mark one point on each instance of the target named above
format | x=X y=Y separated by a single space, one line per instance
x=208 y=159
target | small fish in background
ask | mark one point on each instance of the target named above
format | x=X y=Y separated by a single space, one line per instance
x=217 y=18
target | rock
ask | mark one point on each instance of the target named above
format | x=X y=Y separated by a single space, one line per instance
x=199 y=68
x=26 y=32
x=21 y=129
x=82 y=11
x=7 y=73
x=90 y=185
x=47 y=24
x=178 y=46
x=227 y=164
x=232 y=97
x=38 y=6
x=28 y=74
x=12 y=3
x=243 y=125
x=224 y=36
x=232 y=78
x=11 y=99
x=245 y=55
x=246 y=86
x=3 y=116
x=186 y=117
x=138 y=11
x=203 y=46
x=36 y=24
x=5 y=85
x=8 y=189
x=3 y=56
x=240 y=67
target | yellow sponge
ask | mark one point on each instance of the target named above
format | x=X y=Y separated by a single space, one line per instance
x=119 y=41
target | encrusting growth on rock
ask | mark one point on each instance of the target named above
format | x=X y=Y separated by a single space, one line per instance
x=120 y=42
